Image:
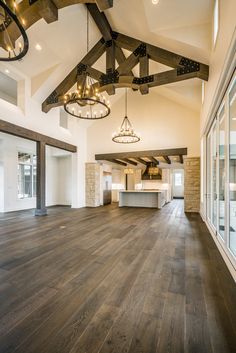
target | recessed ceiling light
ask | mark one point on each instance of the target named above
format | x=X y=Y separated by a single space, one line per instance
x=7 y=71
x=38 y=47
x=155 y=2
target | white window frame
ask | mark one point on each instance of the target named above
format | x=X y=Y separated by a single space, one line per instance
x=32 y=165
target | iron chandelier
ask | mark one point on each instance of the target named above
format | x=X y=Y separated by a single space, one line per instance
x=126 y=133
x=11 y=28
x=86 y=102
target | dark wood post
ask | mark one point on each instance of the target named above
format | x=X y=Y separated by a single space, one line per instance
x=41 y=179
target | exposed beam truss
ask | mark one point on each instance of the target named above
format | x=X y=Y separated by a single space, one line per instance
x=113 y=43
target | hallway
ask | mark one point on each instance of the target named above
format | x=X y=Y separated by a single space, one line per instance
x=113 y=280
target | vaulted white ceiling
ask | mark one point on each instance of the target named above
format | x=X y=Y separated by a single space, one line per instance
x=181 y=26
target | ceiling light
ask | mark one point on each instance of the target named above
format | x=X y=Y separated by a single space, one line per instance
x=126 y=133
x=38 y=47
x=7 y=71
x=86 y=102
x=128 y=171
x=155 y=2
x=8 y=21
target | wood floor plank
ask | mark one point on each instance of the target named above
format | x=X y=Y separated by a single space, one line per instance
x=113 y=280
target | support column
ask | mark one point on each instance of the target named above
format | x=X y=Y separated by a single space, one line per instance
x=93 y=182
x=41 y=180
x=192 y=184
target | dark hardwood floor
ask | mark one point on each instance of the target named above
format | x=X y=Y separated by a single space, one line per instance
x=113 y=280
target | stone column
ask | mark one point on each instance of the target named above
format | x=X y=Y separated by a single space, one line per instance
x=192 y=184
x=92 y=184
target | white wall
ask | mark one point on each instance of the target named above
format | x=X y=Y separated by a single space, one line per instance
x=161 y=122
x=227 y=28
x=58 y=177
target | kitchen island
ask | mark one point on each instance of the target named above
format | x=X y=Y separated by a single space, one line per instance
x=142 y=198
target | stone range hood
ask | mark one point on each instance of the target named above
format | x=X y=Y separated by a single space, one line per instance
x=152 y=172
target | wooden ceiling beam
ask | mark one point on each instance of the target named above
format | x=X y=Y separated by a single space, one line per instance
x=153 y=160
x=117 y=162
x=129 y=63
x=140 y=154
x=181 y=159
x=104 y=4
x=129 y=161
x=94 y=73
x=48 y=11
x=144 y=72
x=167 y=159
x=101 y=21
x=22 y=132
x=120 y=57
x=171 y=76
x=110 y=63
x=163 y=56
x=140 y=160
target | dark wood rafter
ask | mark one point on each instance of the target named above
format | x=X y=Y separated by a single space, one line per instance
x=167 y=159
x=19 y=131
x=154 y=160
x=113 y=43
x=139 y=155
x=181 y=159
x=157 y=153
x=142 y=161
x=129 y=161
x=117 y=162
x=48 y=11
x=104 y=4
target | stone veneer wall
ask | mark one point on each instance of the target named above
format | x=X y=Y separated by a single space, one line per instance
x=192 y=184
x=92 y=184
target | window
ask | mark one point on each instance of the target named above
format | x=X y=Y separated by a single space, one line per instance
x=26 y=175
x=178 y=179
x=221 y=173
x=232 y=168
x=216 y=21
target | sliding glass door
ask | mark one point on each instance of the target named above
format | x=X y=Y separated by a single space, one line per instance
x=221 y=173
x=232 y=168
x=211 y=173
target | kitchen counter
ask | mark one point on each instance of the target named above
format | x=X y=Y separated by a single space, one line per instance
x=142 y=198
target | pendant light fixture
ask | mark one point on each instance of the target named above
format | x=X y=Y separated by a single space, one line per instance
x=86 y=102
x=126 y=133
x=10 y=29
